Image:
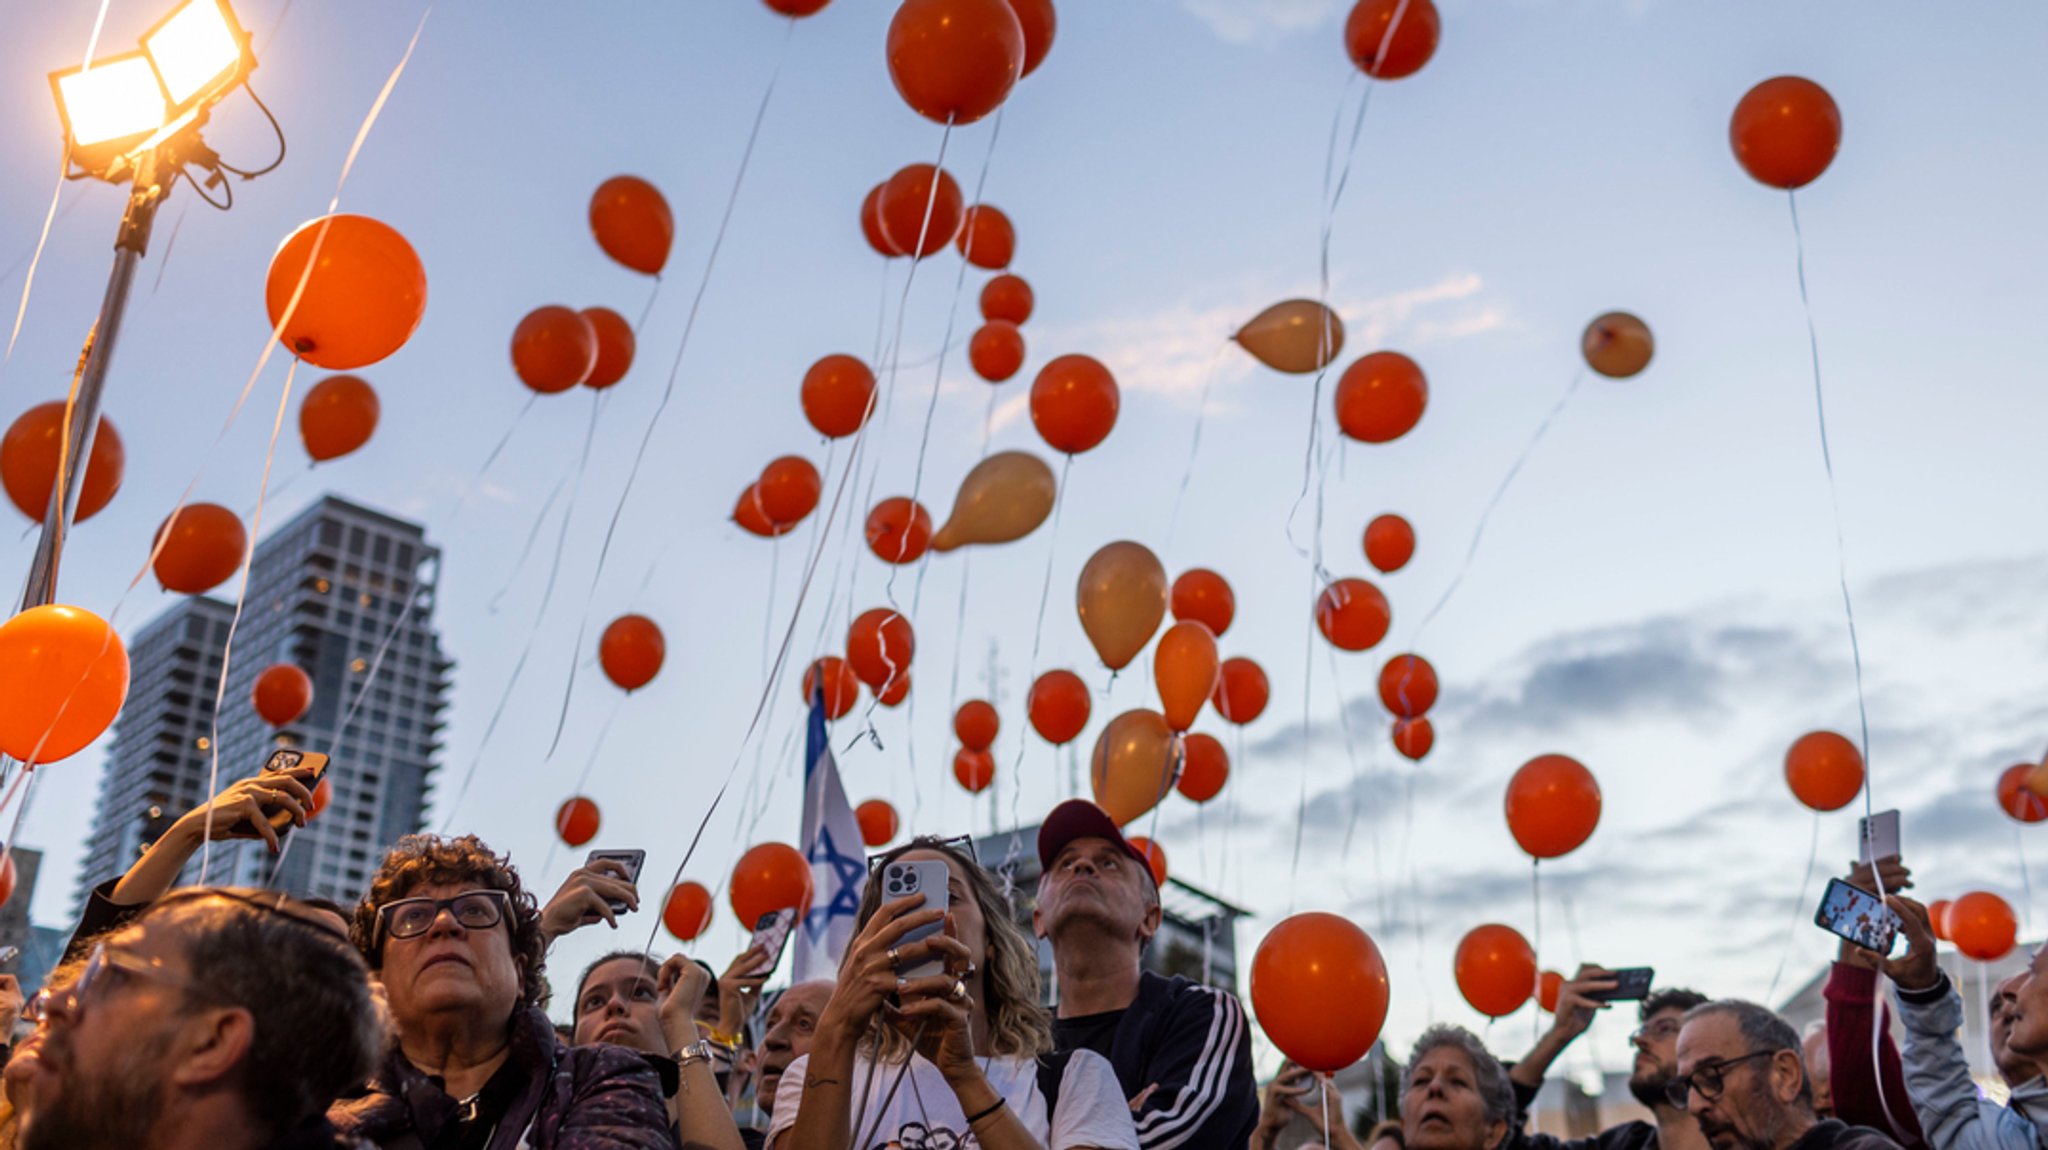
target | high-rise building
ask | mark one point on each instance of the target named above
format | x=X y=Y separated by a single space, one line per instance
x=344 y=593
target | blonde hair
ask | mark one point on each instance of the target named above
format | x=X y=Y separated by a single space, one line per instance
x=1009 y=989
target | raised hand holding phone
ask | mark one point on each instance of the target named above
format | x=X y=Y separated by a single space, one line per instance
x=599 y=891
x=1917 y=968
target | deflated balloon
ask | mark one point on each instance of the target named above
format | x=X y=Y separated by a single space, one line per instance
x=1003 y=499
x=1297 y=336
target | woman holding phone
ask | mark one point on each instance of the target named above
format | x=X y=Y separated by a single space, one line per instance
x=926 y=1060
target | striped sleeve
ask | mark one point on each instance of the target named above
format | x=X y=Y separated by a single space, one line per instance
x=1198 y=1092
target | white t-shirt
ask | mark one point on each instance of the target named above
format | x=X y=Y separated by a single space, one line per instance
x=925 y=1114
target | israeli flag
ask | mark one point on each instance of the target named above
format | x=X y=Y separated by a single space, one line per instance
x=838 y=859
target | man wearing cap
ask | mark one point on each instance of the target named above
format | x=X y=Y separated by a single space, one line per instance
x=1182 y=1051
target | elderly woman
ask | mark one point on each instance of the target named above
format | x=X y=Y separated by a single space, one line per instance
x=457 y=943
x=1454 y=1095
x=938 y=1060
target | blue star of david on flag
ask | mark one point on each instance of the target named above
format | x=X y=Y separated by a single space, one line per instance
x=832 y=844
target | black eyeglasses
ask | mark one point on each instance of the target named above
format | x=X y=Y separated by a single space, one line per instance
x=412 y=917
x=1709 y=1080
x=958 y=844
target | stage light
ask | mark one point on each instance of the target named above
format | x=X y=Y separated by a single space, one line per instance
x=199 y=52
x=114 y=102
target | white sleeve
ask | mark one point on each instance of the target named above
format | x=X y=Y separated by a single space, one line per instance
x=1091 y=1111
x=789 y=1094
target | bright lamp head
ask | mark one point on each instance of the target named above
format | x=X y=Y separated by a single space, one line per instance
x=115 y=102
x=199 y=51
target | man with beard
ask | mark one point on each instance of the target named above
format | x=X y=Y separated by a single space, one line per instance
x=1742 y=1077
x=220 y=1018
x=1182 y=1051
x=791 y=1027
x=1656 y=1044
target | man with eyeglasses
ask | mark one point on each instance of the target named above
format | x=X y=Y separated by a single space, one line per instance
x=1742 y=1077
x=1181 y=1050
x=221 y=1018
x=1656 y=1044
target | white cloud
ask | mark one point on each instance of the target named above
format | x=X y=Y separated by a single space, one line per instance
x=1246 y=21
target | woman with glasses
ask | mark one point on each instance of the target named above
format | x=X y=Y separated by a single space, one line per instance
x=457 y=943
x=933 y=1061
x=1455 y=1095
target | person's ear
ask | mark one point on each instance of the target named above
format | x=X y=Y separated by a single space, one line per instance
x=1149 y=925
x=1788 y=1074
x=1496 y=1133
x=1037 y=922
x=210 y=1044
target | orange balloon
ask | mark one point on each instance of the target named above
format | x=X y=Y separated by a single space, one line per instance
x=322 y=795
x=1039 y=22
x=1982 y=926
x=615 y=347
x=1385 y=57
x=976 y=723
x=796 y=7
x=1824 y=770
x=878 y=645
x=203 y=546
x=1414 y=738
x=878 y=822
x=1496 y=969
x=1352 y=614
x=899 y=530
x=1380 y=398
x=1618 y=345
x=282 y=694
x=1121 y=597
x=1307 y=963
x=1007 y=297
x=631 y=651
x=1937 y=917
x=974 y=770
x=688 y=913
x=1206 y=767
x=1184 y=667
x=841 y=685
x=768 y=878
x=910 y=210
x=1155 y=857
x=338 y=416
x=749 y=515
x=576 y=821
x=871 y=225
x=1241 y=690
x=361 y=301
x=29 y=456
x=554 y=348
x=987 y=240
x=1136 y=760
x=894 y=691
x=1786 y=131
x=789 y=489
x=2015 y=799
x=837 y=393
x=1389 y=543
x=1549 y=985
x=1059 y=706
x=955 y=61
x=1299 y=336
x=63 y=678
x=632 y=223
x=1205 y=597
x=1553 y=804
x=1408 y=686
x=1074 y=403
x=996 y=351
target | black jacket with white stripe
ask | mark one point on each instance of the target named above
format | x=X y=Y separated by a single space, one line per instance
x=1186 y=1050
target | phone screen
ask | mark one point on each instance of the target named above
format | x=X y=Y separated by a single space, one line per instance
x=631 y=860
x=1856 y=915
x=771 y=934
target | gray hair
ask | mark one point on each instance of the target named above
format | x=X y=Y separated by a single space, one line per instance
x=1763 y=1032
x=1496 y=1093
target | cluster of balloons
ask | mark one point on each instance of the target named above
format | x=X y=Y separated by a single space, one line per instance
x=879 y=646
x=785 y=494
x=955 y=61
x=1408 y=689
x=975 y=724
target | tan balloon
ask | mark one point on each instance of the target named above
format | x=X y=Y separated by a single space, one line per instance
x=1004 y=498
x=1121 y=598
x=1618 y=345
x=1136 y=761
x=1297 y=336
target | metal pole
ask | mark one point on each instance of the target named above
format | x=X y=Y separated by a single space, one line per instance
x=143 y=199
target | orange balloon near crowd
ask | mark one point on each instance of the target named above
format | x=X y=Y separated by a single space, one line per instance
x=1352 y=614
x=1135 y=762
x=615 y=347
x=1155 y=857
x=1549 y=985
x=1074 y=403
x=553 y=349
x=1008 y=298
x=321 y=797
x=29 y=457
x=577 y=820
x=1982 y=926
x=996 y=350
x=63 y=678
x=631 y=651
x=878 y=822
x=1786 y=131
x=879 y=644
x=1496 y=969
x=632 y=223
x=1059 y=706
x=1307 y=963
x=974 y=770
x=1380 y=398
x=837 y=392
x=1389 y=543
x=955 y=61
x=338 y=416
x=281 y=694
x=987 y=240
x=1937 y=918
x=1824 y=770
x=203 y=544
x=362 y=300
x=1185 y=670
x=1414 y=738
x=688 y=912
x=1408 y=686
x=768 y=878
x=2015 y=799
x=1553 y=805
x=975 y=724
x=1205 y=767
x=840 y=685
x=910 y=209
x=1241 y=690
x=1205 y=597
x=1121 y=597
x=899 y=530
x=1390 y=57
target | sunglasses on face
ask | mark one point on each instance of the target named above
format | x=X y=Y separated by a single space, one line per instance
x=412 y=917
x=1710 y=1080
x=959 y=844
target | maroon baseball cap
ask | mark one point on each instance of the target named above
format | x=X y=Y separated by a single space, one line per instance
x=1081 y=819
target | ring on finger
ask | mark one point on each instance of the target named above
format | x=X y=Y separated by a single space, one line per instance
x=959 y=990
x=895 y=958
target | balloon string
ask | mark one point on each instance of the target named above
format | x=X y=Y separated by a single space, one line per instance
x=1230 y=839
x=1798 y=910
x=470 y=485
x=171 y=245
x=1194 y=443
x=1350 y=752
x=1536 y=946
x=25 y=258
x=675 y=369
x=532 y=536
x=1308 y=666
x=1052 y=546
x=42 y=241
x=533 y=634
x=582 y=780
x=26 y=784
x=2019 y=846
x=227 y=650
x=768 y=614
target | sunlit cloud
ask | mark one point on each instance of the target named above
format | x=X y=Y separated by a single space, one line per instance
x=1248 y=21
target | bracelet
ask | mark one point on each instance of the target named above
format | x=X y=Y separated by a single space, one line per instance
x=997 y=1105
x=724 y=1039
x=698 y=1051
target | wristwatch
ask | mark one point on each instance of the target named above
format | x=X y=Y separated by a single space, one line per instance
x=703 y=1050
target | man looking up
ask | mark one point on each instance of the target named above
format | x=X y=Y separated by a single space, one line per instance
x=1656 y=1063
x=1182 y=1051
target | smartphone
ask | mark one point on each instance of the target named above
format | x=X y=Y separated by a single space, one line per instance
x=1879 y=836
x=1631 y=984
x=631 y=860
x=306 y=766
x=771 y=934
x=929 y=879
x=1857 y=916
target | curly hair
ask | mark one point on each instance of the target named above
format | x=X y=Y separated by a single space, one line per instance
x=1017 y=1024
x=424 y=860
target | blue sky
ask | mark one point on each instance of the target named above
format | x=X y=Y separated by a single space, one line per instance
x=1655 y=596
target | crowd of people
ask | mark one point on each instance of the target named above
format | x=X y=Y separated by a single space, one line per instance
x=229 y=1018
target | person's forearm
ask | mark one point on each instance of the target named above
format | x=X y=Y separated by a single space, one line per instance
x=824 y=1112
x=154 y=873
x=1002 y=1130
x=700 y=1112
x=1535 y=1064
